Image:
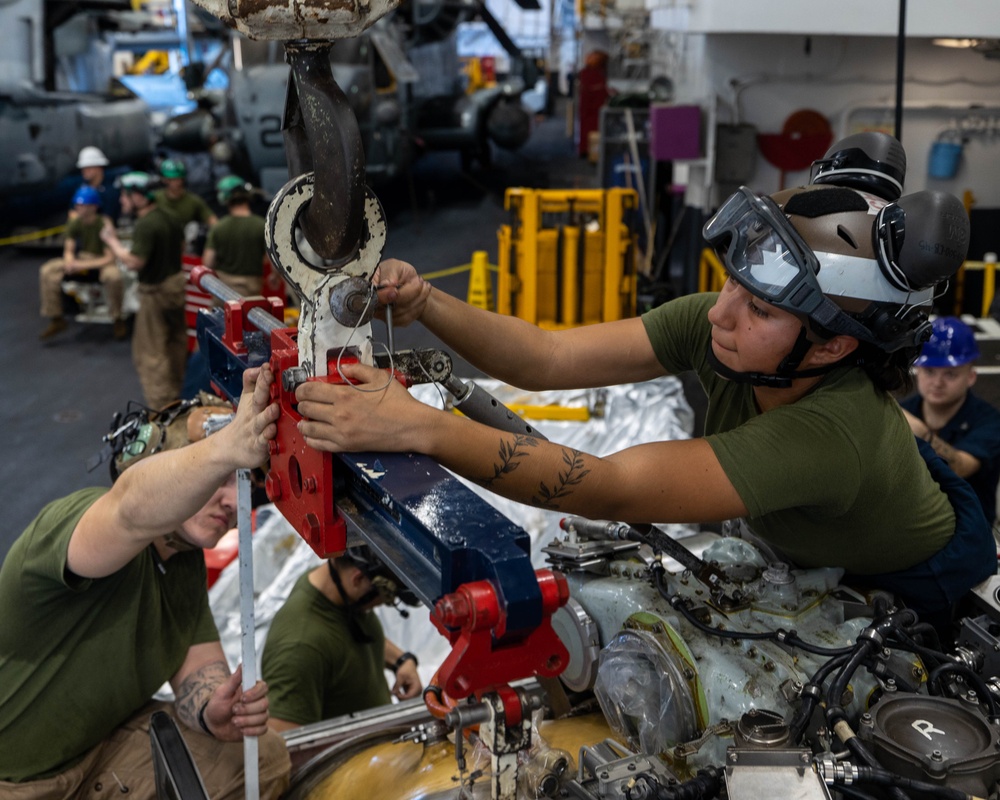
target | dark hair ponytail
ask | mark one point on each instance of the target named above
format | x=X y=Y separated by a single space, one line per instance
x=890 y=372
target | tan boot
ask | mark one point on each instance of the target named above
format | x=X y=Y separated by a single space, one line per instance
x=56 y=326
x=120 y=330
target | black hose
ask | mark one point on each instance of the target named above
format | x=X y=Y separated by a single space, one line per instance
x=930 y=656
x=866 y=646
x=793 y=639
x=882 y=777
x=982 y=690
x=860 y=752
x=851 y=791
x=798 y=724
x=677 y=603
x=925 y=628
x=862 y=652
x=705 y=785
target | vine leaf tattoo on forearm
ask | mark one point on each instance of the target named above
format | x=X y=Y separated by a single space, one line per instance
x=511 y=453
x=574 y=473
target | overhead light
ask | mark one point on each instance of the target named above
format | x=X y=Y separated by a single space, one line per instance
x=956 y=42
x=990 y=48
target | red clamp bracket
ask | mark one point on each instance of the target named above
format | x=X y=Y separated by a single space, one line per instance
x=483 y=654
x=301 y=480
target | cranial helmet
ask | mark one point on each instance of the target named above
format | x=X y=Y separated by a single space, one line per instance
x=952 y=344
x=87 y=196
x=141 y=182
x=842 y=259
x=140 y=433
x=91 y=157
x=227 y=186
x=173 y=168
x=384 y=580
x=871 y=162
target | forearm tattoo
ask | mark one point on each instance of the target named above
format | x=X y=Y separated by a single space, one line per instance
x=513 y=452
x=572 y=475
x=510 y=456
x=196 y=689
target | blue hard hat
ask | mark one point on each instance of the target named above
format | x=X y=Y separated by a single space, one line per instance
x=87 y=196
x=952 y=344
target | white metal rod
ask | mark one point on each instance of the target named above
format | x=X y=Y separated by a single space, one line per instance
x=251 y=768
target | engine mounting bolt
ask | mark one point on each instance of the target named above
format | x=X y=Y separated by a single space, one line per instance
x=936 y=755
x=733 y=758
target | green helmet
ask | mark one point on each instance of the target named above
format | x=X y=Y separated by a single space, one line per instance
x=229 y=185
x=173 y=168
x=141 y=182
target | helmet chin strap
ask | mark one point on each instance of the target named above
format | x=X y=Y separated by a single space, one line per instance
x=353 y=608
x=786 y=373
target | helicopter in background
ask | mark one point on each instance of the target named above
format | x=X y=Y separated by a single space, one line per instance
x=44 y=121
x=402 y=78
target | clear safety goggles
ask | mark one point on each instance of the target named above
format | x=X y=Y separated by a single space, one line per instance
x=764 y=253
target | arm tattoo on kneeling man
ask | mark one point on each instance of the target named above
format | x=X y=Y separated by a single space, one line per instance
x=196 y=690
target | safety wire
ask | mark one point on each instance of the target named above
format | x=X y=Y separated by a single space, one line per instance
x=434 y=383
x=392 y=367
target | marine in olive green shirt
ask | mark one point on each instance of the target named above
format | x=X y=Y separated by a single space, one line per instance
x=189 y=207
x=158 y=239
x=832 y=480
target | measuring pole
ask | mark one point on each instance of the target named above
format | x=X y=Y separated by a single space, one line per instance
x=251 y=768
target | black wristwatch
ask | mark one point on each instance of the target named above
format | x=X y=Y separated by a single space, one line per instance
x=403 y=658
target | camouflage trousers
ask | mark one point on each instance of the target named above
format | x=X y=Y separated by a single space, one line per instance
x=123 y=764
x=159 y=340
x=50 y=278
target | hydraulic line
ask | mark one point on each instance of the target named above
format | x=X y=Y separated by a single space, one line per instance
x=705 y=785
x=982 y=690
x=811 y=693
x=931 y=658
x=882 y=777
x=858 y=749
x=925 y=628
x=853 y=792
x=784 y=637
x=870 y=641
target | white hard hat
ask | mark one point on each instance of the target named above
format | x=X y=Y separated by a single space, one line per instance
x=91 y=157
